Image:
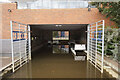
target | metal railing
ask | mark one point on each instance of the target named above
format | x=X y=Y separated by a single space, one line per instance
x=53 y=4
x=20 y=44
x=95 y=44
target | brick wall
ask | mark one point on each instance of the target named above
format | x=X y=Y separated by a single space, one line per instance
x=58 y=16
x=6 y=17
x=0 y=21
x=48 y=16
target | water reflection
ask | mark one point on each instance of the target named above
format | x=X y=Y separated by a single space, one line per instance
x=79 y=58
x=92 y=71
x=45 y=64
x=61 y=49
x=23 y=72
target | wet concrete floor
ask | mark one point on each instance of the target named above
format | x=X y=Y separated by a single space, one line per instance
x=57 y=62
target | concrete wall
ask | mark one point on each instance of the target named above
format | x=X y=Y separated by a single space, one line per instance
x=48 y=16
x=42 y=37
x=79 y=36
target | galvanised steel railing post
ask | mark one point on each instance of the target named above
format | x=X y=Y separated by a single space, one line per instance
x=91 y=45
x=96 y=47
x=19 y=46
x=88 y=34
x=29 y=40
x=25 y=31
x=13 y=66
x=103 y=47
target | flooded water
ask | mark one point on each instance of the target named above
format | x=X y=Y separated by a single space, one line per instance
x=57 y=61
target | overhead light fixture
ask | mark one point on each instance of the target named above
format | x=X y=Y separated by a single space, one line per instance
x=9 y=10
x=89 y=8
x=58 y=25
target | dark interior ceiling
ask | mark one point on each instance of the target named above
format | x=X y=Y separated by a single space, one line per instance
x=59 y=26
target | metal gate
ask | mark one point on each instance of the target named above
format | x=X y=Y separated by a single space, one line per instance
x=20 y=44
x=95 y=44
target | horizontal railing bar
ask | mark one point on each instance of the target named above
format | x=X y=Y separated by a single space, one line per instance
x=19 y=23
